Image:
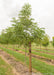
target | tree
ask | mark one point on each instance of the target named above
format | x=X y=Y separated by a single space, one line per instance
x=26 y=30
x=53 y=41
x=7 y=36
x=45 y=41
x=23 y=29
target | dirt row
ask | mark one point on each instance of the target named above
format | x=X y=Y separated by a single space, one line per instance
x=46 y=60
x=43 y=52
x=12 y=68
x=19 y=68
x=42 y=58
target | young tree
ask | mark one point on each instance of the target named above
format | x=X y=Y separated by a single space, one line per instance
x=26 y=30
x=23 y=29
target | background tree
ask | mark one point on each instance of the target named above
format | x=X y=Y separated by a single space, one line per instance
x=53 y=41
x=45 y=41
x=39 y=35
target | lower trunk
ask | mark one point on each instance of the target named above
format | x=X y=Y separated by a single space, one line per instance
x=30 y=62
x=25 y=55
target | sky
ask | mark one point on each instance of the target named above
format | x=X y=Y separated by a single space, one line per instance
x=42 y=12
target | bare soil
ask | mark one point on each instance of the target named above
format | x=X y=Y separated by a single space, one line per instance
x=42 y=58
x=43 y=52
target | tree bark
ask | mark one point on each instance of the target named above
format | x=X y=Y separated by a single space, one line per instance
x=25 y=55
x=30 y=59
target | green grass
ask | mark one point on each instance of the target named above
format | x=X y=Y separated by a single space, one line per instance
x=36 y=63
x=48 y=51
x=49 y=56
x=5 y=69
x=44 y=54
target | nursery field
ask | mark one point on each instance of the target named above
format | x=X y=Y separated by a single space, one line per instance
x=42 y=60
x=25 y=47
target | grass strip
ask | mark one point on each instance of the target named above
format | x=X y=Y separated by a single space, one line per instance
x=36 y=63
x=5 y=69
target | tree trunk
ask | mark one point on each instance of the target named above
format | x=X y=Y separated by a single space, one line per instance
x=30 y=62
x=25 y=55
